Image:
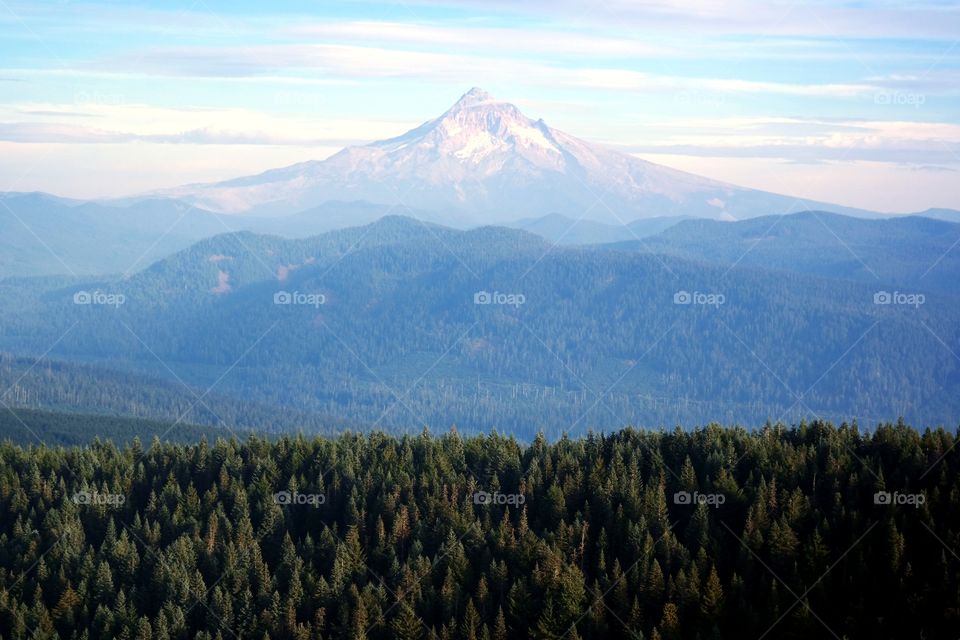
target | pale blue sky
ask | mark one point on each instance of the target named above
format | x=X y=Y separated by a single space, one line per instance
x=856 y=103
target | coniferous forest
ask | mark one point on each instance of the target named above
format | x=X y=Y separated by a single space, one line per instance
x=814 y=531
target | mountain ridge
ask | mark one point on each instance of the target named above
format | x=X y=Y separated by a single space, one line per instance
x=913 y=251
x=407 y=306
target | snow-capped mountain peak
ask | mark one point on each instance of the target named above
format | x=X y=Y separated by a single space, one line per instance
x=475 y=128
x=484 y=161
x=475 y=96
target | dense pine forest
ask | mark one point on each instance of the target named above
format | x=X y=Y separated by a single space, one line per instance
x=814 y=531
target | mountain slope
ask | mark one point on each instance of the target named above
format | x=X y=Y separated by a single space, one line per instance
x=950 y=215
x=333 y=215
x=568 y=231
x=485 y=159
x=45 y=235
x=380 y=325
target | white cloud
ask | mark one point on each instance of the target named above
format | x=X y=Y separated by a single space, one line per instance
x=498 y=41
x=813 y=18
x=113 y=121
x=351 y=61
x=804 y=140
x=877 y=186
x=87 y=170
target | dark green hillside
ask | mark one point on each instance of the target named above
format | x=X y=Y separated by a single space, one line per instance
x=29 y=427
x=95 y=390
x=716 y=533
